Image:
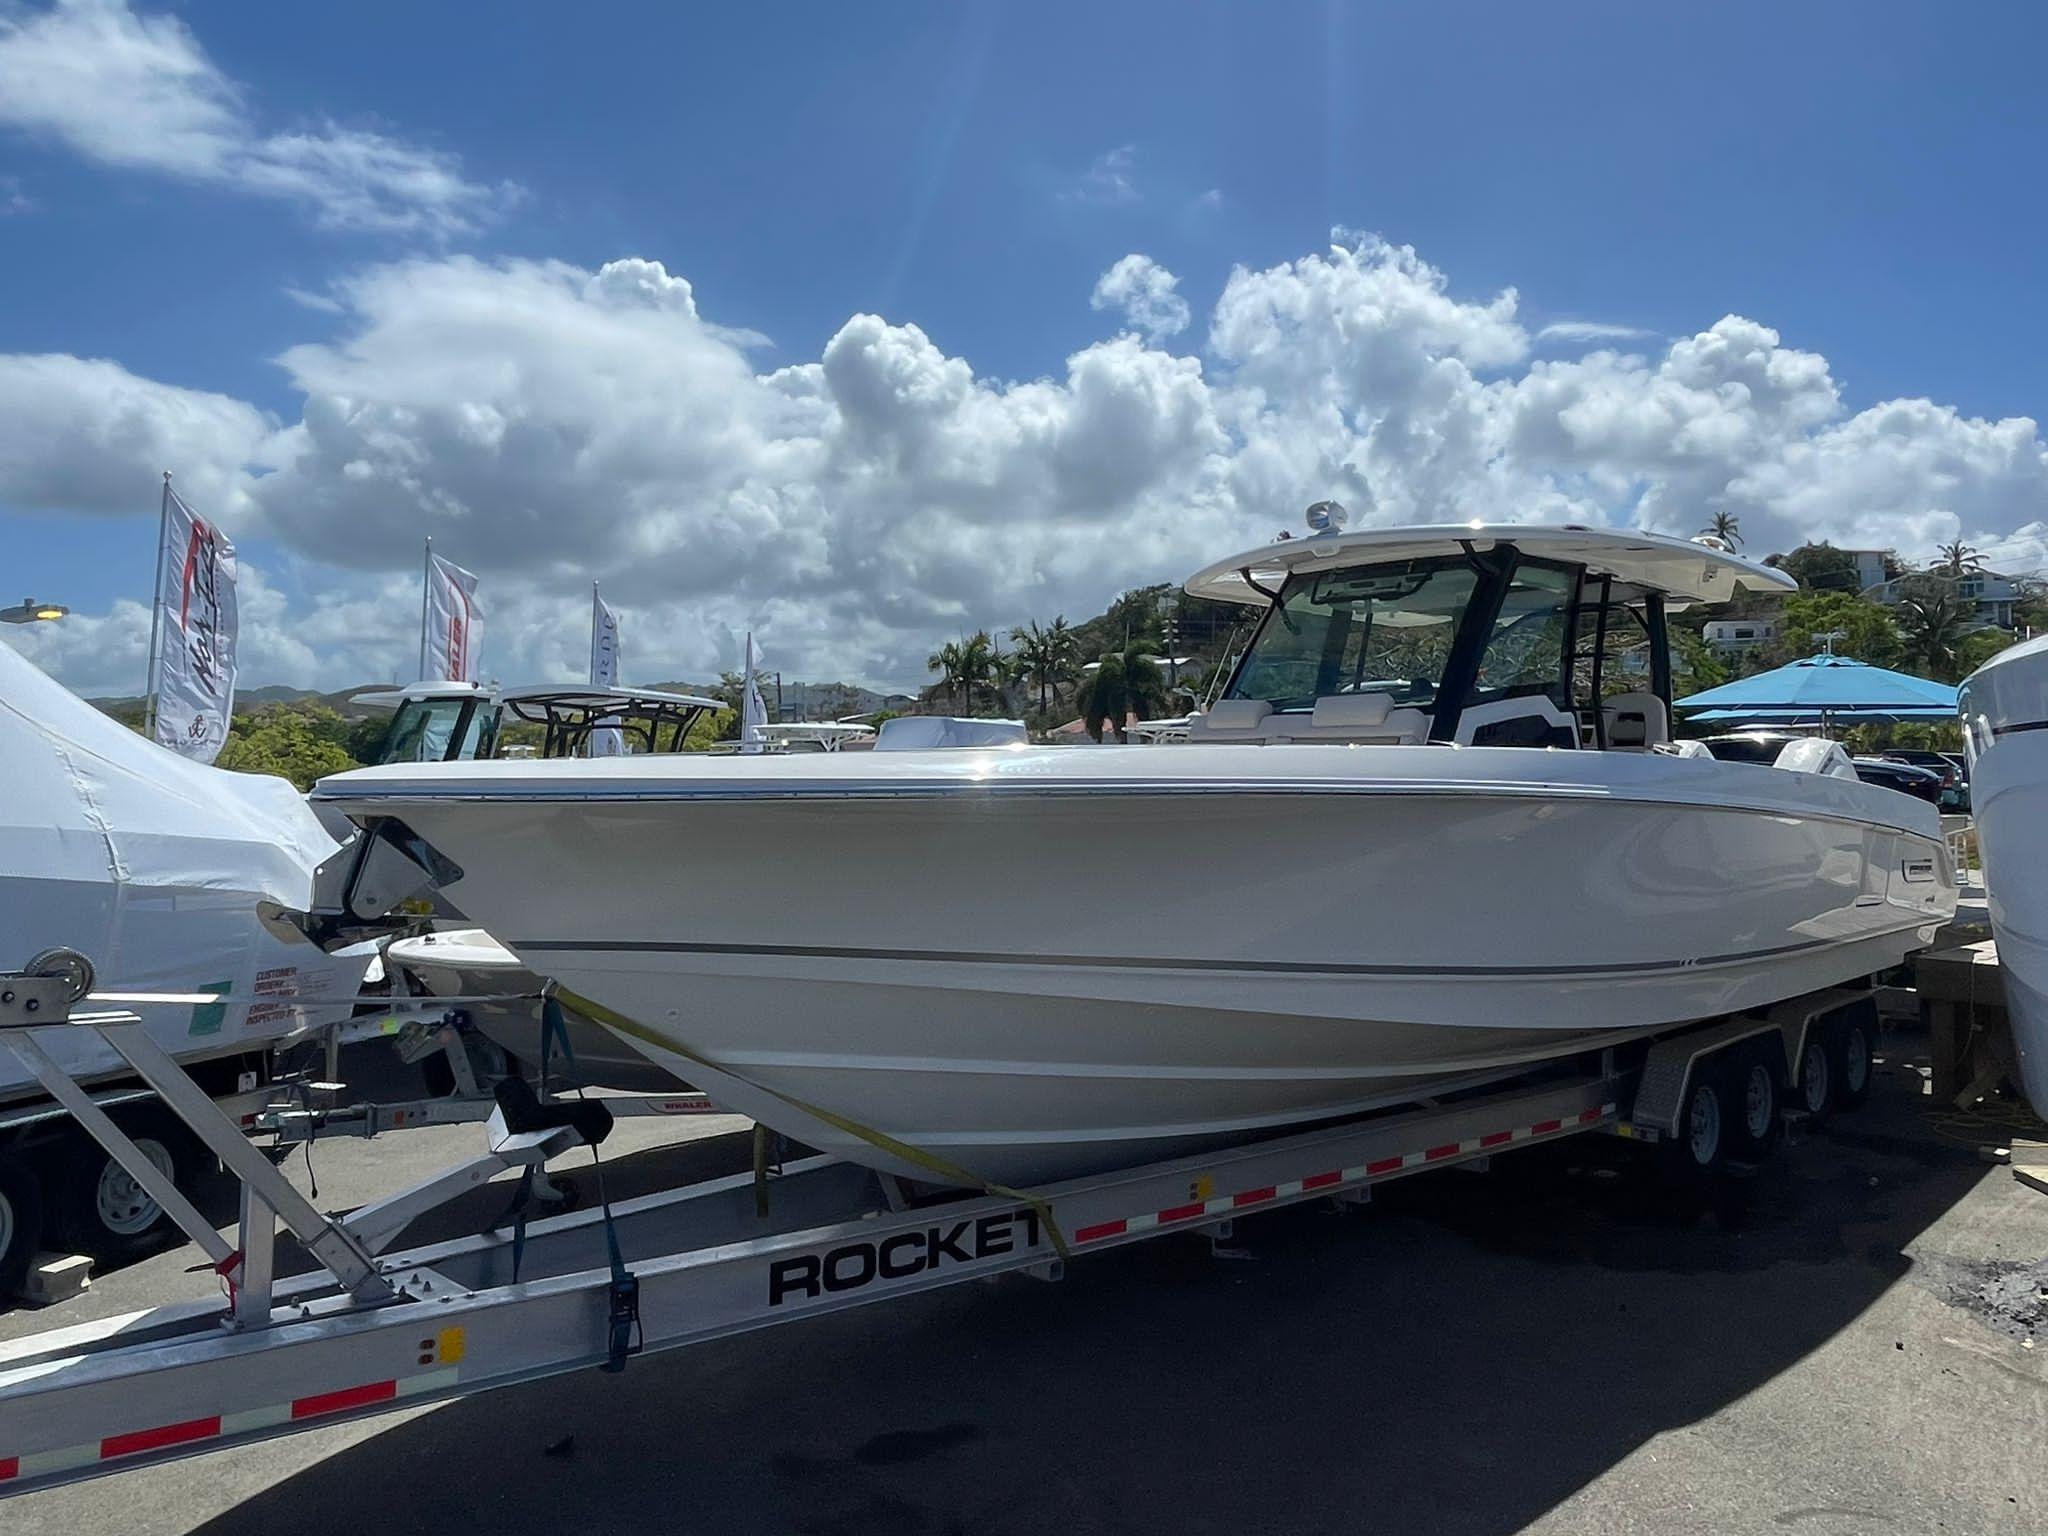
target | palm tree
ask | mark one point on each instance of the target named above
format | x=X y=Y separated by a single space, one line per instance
x=948 y=661
x=1726 y=527
x=1124 y=684
x=1932 y=621
x=1037 y=659
x=1958 y=557
x=1066 y=652
x=1134 y=614
x=980 y=665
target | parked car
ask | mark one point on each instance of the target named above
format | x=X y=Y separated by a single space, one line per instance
x=1949 y=766
x=1904 y=777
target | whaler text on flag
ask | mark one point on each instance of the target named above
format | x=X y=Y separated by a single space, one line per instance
x=194 y=685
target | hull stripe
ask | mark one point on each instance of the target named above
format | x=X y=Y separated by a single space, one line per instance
x=1131 y=963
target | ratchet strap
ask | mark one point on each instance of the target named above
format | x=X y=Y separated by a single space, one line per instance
x=881 y=1141
x=593 y=1122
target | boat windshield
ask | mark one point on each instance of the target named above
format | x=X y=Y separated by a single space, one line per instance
x=1370 y=629
x=436 y=730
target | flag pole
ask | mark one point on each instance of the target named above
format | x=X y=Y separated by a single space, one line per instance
x=426 y=586
x=156 y=609
x=593 y=632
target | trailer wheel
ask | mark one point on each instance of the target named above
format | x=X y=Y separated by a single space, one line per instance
x=1853 y=1054
x=1706 y=1122
x=21 y=1223
x=104 y=1211
x=1757 y=1122
x=1819 y=1080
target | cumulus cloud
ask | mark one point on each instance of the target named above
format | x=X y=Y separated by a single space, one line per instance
x=138 y=91
x=85 y=435
x=548 y=424
x=1144 y=291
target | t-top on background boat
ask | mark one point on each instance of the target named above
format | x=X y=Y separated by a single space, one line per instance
x=455 y=722
x=2004 y=705
x=1421 y=843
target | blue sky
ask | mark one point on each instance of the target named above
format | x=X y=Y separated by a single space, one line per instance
x=1856 y=177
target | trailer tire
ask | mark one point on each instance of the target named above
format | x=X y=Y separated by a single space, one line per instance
x=1820 y=1076
x=1854 y=1049
x=101 y=1209
x=1758 y=1092
x=1707 y=1117
x=21 y=1223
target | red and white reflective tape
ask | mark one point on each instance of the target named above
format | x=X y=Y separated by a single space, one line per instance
x=1224 y=1205
x=221 y=1426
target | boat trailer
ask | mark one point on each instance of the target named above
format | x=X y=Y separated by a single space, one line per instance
x=375 y=1329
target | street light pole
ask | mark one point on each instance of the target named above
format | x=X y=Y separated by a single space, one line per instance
x=29 y=611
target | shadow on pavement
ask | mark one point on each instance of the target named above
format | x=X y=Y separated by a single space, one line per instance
x=1458 y=1358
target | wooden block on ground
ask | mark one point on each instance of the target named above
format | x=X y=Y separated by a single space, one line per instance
x=55 y=1277
x=2035 y=1178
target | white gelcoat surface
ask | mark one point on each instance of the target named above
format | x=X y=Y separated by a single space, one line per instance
x=2004 y=705
x=1037 y=963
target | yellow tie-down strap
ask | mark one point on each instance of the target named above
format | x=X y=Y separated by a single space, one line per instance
x=882 y=1141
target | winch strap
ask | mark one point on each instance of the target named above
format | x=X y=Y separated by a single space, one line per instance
x=554 y=1031
x=623 y=1336
x=882 y=1141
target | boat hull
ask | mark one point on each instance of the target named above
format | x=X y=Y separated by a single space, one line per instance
x=1034 y=985
x=2006 y=707
x=467 y=963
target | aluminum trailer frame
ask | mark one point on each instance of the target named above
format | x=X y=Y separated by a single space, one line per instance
x=381 y=1331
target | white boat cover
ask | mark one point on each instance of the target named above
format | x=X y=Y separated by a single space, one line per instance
x=914 y=733
x=151 y=866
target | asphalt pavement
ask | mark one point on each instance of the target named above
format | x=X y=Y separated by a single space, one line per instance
x=1844 y=1343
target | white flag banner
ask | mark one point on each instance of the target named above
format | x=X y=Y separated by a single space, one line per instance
x=453 y=624
x=605 y=741
x=753 y=713
x=194 y=685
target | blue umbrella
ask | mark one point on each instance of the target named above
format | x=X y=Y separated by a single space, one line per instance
x=1823 y=688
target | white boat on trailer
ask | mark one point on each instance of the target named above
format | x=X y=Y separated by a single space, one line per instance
x=1452 y=850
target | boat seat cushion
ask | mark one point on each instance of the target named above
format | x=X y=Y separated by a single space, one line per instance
x=1365 y=718
x=1230 y=719
x=1350 y=711
x=1636 y=722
